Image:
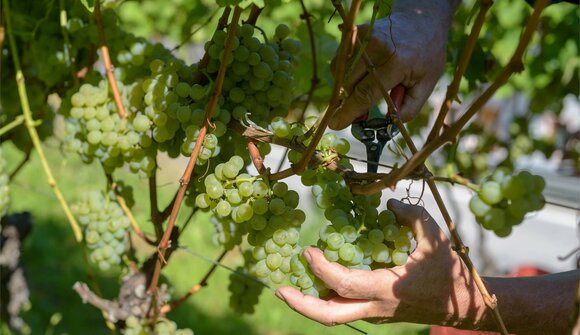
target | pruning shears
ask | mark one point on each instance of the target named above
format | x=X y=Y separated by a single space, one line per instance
x=375 y=131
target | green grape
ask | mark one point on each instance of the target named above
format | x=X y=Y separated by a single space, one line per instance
x=260 y=189
x=282 y=31
x=494 y=219
x=349 y=233
x=386 y=217
x=233 y=196
x=331 y=255
x=273 y=261
x=391 y=232
x=347 y=252
x=335 y=241
x=491 y=192
x=376 y=236
x=214 y=190
x=182 y=89
x=399 y=257
x=381 y=253
x=277 y=206
x=245 y=212
x=230 y=170
x=223 y=208
x=478 y=207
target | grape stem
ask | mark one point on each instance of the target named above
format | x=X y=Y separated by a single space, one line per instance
x=196 y=288
x=29 y=123
x=314 y=80
x=256 y=157
x=186 y=39
x=254 y=14
x=154 y=206
x=344 y=49
x=107 y=61
x=453 y=88
x=457 y=179
x=131 y=217
x=15 y=123
x=317 y=158
x=184 y=181
x=23 y=162
x=230 y=182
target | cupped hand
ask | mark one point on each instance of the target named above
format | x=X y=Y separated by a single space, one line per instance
x=433 y=287
x=407 y=48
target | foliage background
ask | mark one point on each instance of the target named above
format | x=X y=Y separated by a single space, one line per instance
x=54 y=261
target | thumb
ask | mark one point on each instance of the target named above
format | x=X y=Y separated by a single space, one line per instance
x=415 y=217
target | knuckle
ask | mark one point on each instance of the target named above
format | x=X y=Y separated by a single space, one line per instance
x=345 y=286
x=363 y=94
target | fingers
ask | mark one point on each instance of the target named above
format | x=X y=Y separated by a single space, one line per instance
x=335 y=311
x=417 y=218
x=348 y=283
x=415 y=98
x=366 y=93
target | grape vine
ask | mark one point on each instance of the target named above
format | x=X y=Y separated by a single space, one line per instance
x=225 y=111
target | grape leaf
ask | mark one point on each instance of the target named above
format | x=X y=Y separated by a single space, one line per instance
x=89 y=4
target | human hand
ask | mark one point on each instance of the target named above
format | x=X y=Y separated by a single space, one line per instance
x=407 y=48
x=433 y=287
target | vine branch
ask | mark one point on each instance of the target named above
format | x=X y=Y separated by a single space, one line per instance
x=515 y=65
x=13 y=124
x=107 y=61
x=165 y=241
x=29 y=123
x=453 y=88
x=334 y=104
x=196 y=288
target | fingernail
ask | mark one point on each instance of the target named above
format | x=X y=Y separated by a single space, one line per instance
x=280 y=296
x=307 y=255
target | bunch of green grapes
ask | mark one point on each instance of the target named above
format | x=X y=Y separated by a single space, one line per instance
x=163 y=326
x=504 y=199
x=387 y=242
x=244 y=290
x=105 y=228
x=4 y=188
x=96 y=131
x=229 y=194
x=260 y=75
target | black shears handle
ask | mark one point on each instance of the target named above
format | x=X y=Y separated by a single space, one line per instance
x=375 y=133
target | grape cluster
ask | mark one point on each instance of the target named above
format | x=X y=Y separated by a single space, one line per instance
x=4 y=189
x=359 y=237
x=228 y=193
x=96 y=131
x=244 y=290
x=504 y=199
x=303 y=278
x=105 y=228
x=135 y=326
x=260 y=78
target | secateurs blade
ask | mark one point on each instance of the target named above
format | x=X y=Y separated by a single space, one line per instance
x=375 y=132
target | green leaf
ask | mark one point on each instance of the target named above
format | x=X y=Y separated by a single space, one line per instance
x=247 y=3
x=89 y=4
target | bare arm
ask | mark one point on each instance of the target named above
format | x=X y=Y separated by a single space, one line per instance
x=434 y=287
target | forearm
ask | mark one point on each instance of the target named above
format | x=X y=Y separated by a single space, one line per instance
x=529 y=305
